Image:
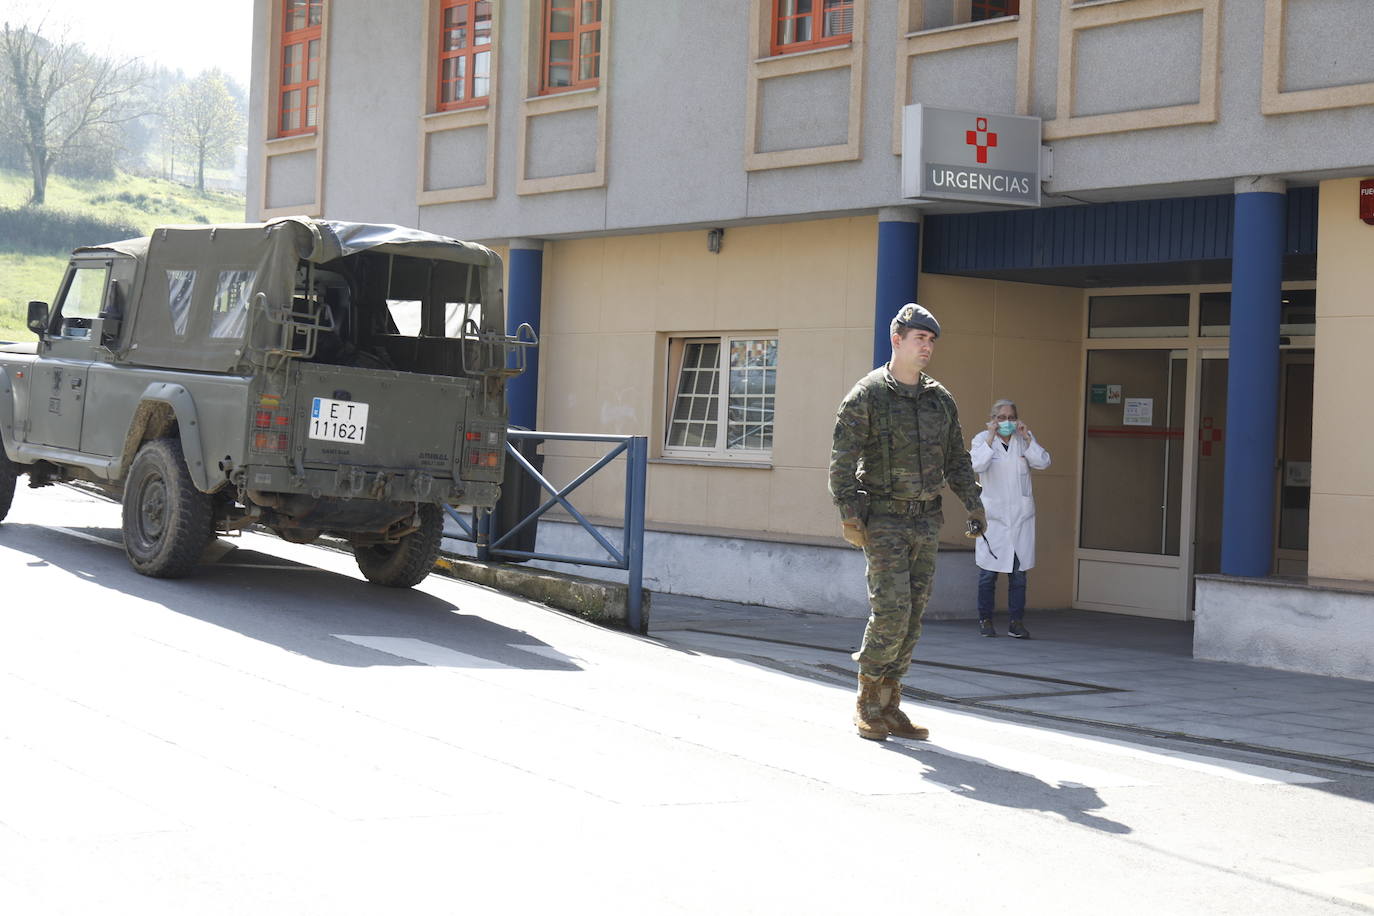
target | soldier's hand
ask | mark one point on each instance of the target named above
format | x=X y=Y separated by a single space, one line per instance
x=977 y=523
x=853 y=531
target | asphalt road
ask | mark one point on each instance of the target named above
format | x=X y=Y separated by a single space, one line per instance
x=275 y=735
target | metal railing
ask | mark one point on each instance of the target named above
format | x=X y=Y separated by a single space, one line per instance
x=628 y=556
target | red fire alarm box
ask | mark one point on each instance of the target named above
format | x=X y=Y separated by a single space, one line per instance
x=1367 y=200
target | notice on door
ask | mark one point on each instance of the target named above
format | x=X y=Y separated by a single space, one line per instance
x=1138 y=412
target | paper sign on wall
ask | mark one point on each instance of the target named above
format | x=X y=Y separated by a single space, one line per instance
x=1139 y=412
x=1113 y=394
x=1297 y=473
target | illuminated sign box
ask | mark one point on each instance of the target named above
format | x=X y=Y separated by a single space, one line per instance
x=970 y=156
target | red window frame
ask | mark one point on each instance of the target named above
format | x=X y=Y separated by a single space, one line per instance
x=298 y=74
x=808 y=19
x=583 y=37
x=993 y=9
x=465 y=41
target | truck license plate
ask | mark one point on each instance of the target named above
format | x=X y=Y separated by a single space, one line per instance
x=338 y=421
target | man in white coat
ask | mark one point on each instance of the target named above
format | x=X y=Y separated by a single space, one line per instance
x=1003 y=457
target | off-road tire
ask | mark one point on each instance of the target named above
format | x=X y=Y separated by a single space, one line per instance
x=9 y=473
x=410 y=559
x=167 y=521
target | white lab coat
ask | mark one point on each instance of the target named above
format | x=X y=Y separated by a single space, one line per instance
x=1005 y=476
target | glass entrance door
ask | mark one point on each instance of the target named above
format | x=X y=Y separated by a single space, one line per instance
x=1211 y=461
x=1133 y=475
x=1293 y=481
x=1154 y=445
x=1295 y=462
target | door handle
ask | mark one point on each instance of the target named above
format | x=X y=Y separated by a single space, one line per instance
x=76 y=383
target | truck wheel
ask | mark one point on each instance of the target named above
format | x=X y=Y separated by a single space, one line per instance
x=410 y=559
x=9 y=472
x=166 y=519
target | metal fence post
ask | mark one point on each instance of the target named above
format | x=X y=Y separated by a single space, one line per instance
x=638 y=471
x=482 y=527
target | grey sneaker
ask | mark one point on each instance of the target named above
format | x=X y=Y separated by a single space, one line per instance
x=1018 y=630
x=985 y=627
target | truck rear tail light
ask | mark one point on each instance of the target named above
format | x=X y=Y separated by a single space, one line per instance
x=270 y=442
x=266 y=419
x=484 y=458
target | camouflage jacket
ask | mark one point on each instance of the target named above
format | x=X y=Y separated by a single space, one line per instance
x=890 y=444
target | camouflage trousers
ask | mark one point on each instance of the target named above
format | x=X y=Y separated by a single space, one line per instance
x=901 y=568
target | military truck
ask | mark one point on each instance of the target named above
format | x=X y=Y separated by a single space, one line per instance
x=310 y=376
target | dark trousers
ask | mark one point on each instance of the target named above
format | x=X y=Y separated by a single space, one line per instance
x=1016 y=591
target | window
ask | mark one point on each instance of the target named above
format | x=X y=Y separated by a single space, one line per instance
x=702 y=422
x=1159 y=315
x=85 y=293
x=229 y=311
x=181 y=285
x=572 y=44
x=993 y=9
x=300 y=66
x=800 y=25
x=406 y=316
x=464 y=53
x=81 y=302
x=942 y=15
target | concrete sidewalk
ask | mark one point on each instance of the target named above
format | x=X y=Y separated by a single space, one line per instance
x=1134 y=675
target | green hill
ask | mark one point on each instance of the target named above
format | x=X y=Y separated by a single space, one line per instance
x=35 y=242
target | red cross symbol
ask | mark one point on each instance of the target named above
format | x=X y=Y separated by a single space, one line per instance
x=1207 y=435
x=981 y=140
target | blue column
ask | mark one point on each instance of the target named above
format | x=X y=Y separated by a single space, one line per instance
x=1252 y=381
x=524 y=301
x=899 y=239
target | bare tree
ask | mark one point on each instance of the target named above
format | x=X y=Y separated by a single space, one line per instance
x=207 y=121
x=63 y=97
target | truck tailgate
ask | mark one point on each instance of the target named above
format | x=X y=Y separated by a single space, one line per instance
x=379 y=418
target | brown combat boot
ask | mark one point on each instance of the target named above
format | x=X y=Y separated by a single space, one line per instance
x=898 y=725
x=868 y=712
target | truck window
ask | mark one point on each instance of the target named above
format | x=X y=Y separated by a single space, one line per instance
x=82 y=300
x=406 y=315
x=229 y=311
x=181 y=284
x=456 y=316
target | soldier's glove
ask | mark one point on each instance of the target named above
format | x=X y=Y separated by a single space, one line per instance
x=853 y=531
x=977 y=524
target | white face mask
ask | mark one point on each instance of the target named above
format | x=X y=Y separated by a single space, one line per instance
x=1006 y=427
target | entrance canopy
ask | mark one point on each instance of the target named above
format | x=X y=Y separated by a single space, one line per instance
x=1179 y=240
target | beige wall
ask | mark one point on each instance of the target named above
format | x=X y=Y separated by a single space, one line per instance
x=1342 y=515
x=609 y=303
x=1024 y=342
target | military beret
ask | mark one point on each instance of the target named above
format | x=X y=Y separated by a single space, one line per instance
x=912 y=315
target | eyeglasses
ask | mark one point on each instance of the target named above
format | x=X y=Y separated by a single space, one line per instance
x=1000 y=418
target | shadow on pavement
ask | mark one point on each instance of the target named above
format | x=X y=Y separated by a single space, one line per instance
x=300 y=608
x=981 y=781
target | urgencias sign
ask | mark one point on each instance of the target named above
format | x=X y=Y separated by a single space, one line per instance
x=970 y=156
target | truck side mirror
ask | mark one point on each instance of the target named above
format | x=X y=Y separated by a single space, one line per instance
x=38 y=317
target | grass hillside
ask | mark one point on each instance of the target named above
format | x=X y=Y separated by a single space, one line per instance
x=35 y=242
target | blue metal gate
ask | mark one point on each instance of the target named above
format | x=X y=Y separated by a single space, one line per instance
x=629 y=555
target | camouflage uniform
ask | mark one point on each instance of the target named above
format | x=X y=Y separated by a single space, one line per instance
x=895 y=447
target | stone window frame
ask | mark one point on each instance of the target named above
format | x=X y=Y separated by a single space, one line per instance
x=476 y=115
x=765 y=65
x=275 y=146
x=1078 y=16
x=914 y=41
x=1274 y=100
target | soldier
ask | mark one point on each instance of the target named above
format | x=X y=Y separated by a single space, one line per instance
x=897 y=443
